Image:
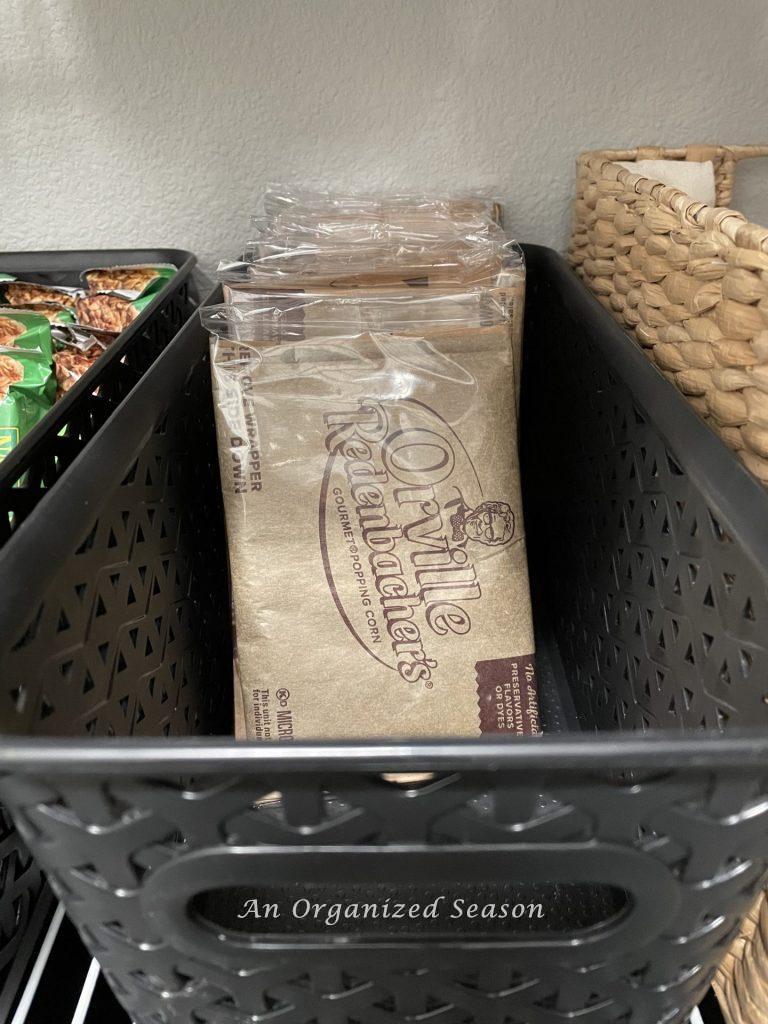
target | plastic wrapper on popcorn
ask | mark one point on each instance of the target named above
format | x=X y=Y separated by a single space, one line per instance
x=503 y=274
x=368 y=456
x=287 y=207
x=448 y=263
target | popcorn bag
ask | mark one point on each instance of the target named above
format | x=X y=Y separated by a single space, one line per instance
x=368 y=456
x=357 y=263
x=345 y=244
x=324 y=268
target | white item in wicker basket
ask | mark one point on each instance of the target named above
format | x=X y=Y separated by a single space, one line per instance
x=695 y=177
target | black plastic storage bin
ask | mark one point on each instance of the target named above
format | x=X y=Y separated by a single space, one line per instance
x=643 y=835
x=27 y=475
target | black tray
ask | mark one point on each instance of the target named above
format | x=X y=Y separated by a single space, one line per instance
x=644 y=835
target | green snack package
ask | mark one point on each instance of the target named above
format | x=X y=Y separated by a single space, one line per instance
x=27 y=383
x=23 y=294
x=24 y=329
x=52 y=311
x=131 y=282
x=63 y=316
x=111 y=311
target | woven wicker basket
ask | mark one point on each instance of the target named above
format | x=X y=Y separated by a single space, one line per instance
x=689 y=280
x=741 y=981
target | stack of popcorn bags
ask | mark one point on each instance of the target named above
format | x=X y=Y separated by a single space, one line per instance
x=366 y=375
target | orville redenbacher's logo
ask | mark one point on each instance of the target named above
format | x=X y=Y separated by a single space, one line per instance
x=402 y=516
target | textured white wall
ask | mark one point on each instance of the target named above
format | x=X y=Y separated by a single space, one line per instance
x=158 y=122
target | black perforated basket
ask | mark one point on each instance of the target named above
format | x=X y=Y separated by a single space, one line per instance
x=27 y=475
x=639 y=823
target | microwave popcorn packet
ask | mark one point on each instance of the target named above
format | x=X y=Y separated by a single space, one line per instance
x=368 y=456
x=287 y=207
x=330 y=270
x=335 y=242
x=344 y=263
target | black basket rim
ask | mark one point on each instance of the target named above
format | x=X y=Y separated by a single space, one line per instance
x=19 y=460
x=740 y=751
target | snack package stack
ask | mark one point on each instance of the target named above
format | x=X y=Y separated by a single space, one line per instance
x=365 y=373
x=116 y=295
x=27 y=385
x=67 y=329
x=110 y=298
x=472 y=213
x=333 y=244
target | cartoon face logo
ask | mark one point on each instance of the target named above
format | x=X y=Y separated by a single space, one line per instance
x=491 y=523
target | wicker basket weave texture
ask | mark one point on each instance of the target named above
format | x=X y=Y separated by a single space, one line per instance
x=689 y=280
x=741 y=982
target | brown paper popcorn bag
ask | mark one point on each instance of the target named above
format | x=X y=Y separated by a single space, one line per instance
x=372 y=493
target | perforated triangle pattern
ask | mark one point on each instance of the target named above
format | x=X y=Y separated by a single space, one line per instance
x=103 y=838
x=659 y=609
x=135 y=620
x=21 y=882
x=102 y=842
x=25 y=701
